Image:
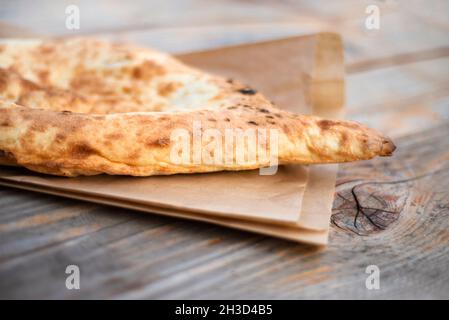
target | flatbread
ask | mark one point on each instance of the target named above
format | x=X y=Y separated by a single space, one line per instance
x=84 y=107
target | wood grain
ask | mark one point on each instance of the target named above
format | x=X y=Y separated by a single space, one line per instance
x=393 y=213
x=123 y=254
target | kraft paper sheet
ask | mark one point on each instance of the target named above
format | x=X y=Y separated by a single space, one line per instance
x=301 y=74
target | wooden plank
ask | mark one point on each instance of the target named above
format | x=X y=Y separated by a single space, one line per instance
x=401 y=99
x=196 y=38
x=130 y=255
x=180 y=26
x=391 y=45
x=434 y=12
x=109 y=15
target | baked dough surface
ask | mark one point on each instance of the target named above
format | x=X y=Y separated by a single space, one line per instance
x=84 y=107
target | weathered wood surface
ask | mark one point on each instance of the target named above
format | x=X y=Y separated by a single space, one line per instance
x=393 y=212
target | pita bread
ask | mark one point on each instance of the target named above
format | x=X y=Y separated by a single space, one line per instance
x=84 y=107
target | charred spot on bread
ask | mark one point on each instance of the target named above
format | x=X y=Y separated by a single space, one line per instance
x=161 y=142
x=82 y=150
x=6 y=122
x=164 y=89
x=248 y=91
x=147 y=70
x=114 y=136
x=325 y=124
x=6 y=154
x=60 y=137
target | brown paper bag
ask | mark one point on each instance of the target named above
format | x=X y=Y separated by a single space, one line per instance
x=301 y=74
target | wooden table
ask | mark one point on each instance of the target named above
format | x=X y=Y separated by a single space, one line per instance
x=392 y=213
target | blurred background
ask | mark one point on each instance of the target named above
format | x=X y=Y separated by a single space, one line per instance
x=396 y=51
x=185 y=25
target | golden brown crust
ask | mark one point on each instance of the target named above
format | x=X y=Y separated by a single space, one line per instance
x=76 y=115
